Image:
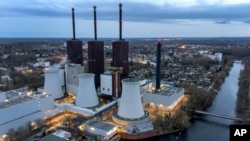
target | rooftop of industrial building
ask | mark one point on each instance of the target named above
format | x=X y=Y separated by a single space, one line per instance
x=59 y=135
x=100 y=125
x=165 y=90
x=20 y=95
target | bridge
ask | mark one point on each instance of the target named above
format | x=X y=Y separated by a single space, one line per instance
x=218 y=115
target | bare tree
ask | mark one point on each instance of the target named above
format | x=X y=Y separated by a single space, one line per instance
x=11 y=134
x=21 y=132
x=40 y=122
x=28 y=126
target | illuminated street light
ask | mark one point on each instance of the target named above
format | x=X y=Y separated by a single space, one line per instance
x=4 y=136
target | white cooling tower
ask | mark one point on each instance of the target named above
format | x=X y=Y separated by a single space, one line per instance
x=86 y=96
x=130 y=105
x=52 y=84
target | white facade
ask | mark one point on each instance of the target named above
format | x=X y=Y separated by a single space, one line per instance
x=72 y=71
x=62 y=76
x=100 y=128
x=130 y=105
x=218 y=56
x=167 y=99
x=59 y=135
x=62 y=134
x=2 y=96
x=17 y=112
x=106 y=84
x=86 y=96
x=52 y=84
x=41 y=64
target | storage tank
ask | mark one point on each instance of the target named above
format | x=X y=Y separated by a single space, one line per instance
x=52 y=84
x=130 y=105
x=86 y=96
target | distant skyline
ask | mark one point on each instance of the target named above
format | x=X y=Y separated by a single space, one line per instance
x=141 y=18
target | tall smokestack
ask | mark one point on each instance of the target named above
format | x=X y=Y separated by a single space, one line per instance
x=95 y=30
x=120 y=21
x=73 y=23
x=158 y=64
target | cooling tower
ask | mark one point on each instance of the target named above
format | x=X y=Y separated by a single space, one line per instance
x=130 y=111
x=130 y=104
x=52 y=84
x=86 y=96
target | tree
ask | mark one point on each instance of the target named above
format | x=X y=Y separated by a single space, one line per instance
x=28 y=126
x=67 y=122
x=40 y=122
x=11 y=134
x=21 y=132
x=181 y=120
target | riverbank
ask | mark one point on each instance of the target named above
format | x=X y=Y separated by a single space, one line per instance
x=207 y=128
x=196 y=99
x=201 y=100
x=243 y=100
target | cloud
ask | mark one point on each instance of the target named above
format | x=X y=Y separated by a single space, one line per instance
x=226 y=21
x=140 y=10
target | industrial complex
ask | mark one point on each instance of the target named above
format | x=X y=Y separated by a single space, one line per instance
x=71 y=89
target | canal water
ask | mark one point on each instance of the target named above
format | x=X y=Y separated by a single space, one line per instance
x=208 y=128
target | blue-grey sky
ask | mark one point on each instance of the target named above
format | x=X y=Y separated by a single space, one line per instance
x=141 y=18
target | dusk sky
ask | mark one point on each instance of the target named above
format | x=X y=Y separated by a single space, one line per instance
x=141 y=18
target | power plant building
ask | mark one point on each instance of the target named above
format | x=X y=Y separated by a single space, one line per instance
x=106 y=84
x=96 y=55
x=74 y=46
x=96 y=59
x=167 y=98
x=104 y=130
x=72 y=80
x=74 y=51
x=21 y=106
x=120 y=57
x=59 y=135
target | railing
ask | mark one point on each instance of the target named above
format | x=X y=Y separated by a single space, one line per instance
x=218 y=115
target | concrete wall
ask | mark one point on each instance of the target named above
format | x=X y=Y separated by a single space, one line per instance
x=72 y=71
x=2 y=96
x=106 y=84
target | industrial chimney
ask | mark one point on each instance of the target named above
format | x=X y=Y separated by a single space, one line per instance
x=120 y=21
x=158 y=65
x=86 y=96
x=119 y=64
x=52 y=84
x=74 y=46
x=96 y=55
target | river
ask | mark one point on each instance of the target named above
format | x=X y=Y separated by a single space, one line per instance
x=208 y=128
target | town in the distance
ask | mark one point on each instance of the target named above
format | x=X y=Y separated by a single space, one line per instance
x=59 y=89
